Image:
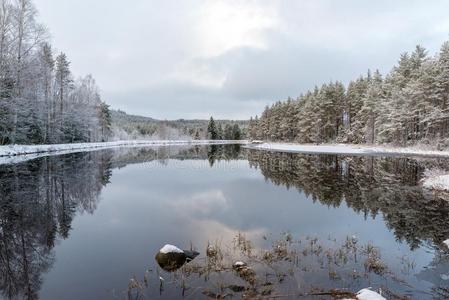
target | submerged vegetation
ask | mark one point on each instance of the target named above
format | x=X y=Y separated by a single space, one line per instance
x=309 y=268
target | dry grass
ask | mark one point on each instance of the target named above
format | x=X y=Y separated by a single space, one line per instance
x=288 y=269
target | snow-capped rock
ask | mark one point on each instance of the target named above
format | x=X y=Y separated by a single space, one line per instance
x=170 y=249
x=171 y=258
x=367 y=294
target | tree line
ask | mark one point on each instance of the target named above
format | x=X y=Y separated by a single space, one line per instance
x=40 y=101
x=407 y=106
x=215 y=131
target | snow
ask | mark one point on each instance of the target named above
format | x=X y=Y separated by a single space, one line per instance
x=170 y=249
x=239 y=264
x=444 y=277
x=347 y=149
x=438 y=182
x=367 y=294
x=446 y=242
x=18 y=153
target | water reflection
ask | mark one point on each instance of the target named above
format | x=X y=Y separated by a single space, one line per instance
x=39 y=199
x=369 y=185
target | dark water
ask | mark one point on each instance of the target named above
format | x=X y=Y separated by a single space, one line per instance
x=79 y=226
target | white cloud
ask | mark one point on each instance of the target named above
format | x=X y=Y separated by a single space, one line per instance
x=224 y=25
x=229 y=58
x=203 y=203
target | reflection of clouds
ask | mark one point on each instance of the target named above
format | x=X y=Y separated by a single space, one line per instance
x=197 y=212
x=203 y=203
x=214 y=231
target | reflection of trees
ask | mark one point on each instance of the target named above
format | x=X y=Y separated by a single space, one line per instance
x=370 y=185
x=40 y=198
x=223 y=152
x=212 y=153
x=38 y=201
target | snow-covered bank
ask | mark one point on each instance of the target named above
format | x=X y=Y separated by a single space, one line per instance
x=347 y=149
x=19 y=153
x=440 y=182
x=433 y=180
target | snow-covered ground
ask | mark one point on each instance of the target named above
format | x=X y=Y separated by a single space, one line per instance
x=347 y=149
x=436 y=179
x=18 y=153
x=367 y=294
x=439 y=182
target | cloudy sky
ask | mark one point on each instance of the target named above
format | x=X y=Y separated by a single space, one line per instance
x=172 y=59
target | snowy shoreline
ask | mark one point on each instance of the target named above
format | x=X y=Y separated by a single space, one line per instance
x=440 y=182
x=19 y=153
x=349 y=149
x=435 y=181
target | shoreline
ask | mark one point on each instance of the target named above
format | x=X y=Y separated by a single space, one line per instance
x=12 y=154
x=347 y=149
x=433 y=182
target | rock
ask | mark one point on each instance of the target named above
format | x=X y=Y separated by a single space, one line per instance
x=444 y=276
x=239 y=265
x=171 y=258
x=190 y=254
x=367 y=294
x=446 y=242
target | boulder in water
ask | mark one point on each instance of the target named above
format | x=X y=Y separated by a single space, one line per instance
x=171 y=258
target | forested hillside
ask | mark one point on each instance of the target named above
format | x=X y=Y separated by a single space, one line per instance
x=40 y=100
x=126 y=126
x=407 y=106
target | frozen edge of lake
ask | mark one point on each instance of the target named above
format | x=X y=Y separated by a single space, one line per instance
x=11 y=154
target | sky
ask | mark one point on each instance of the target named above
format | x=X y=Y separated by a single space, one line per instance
x=172 y=59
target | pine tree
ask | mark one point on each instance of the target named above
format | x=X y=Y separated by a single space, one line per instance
x=212 y=130
x=220 y=132
x=236 y=133
x=47 y=64
x=371 y=104
x=228 y=131
x=62 y=84
x=409 y=105
x=197 y=135
x=105 y=121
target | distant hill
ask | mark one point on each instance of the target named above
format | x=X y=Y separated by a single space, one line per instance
x=133 y=126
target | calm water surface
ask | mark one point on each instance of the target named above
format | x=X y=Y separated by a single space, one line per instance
x=79 y=226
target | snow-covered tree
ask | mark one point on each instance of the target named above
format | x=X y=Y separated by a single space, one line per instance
x=410 y=105
x=212 y=129
x=39 y=100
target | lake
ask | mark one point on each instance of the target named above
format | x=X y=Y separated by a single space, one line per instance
x=82 y=225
